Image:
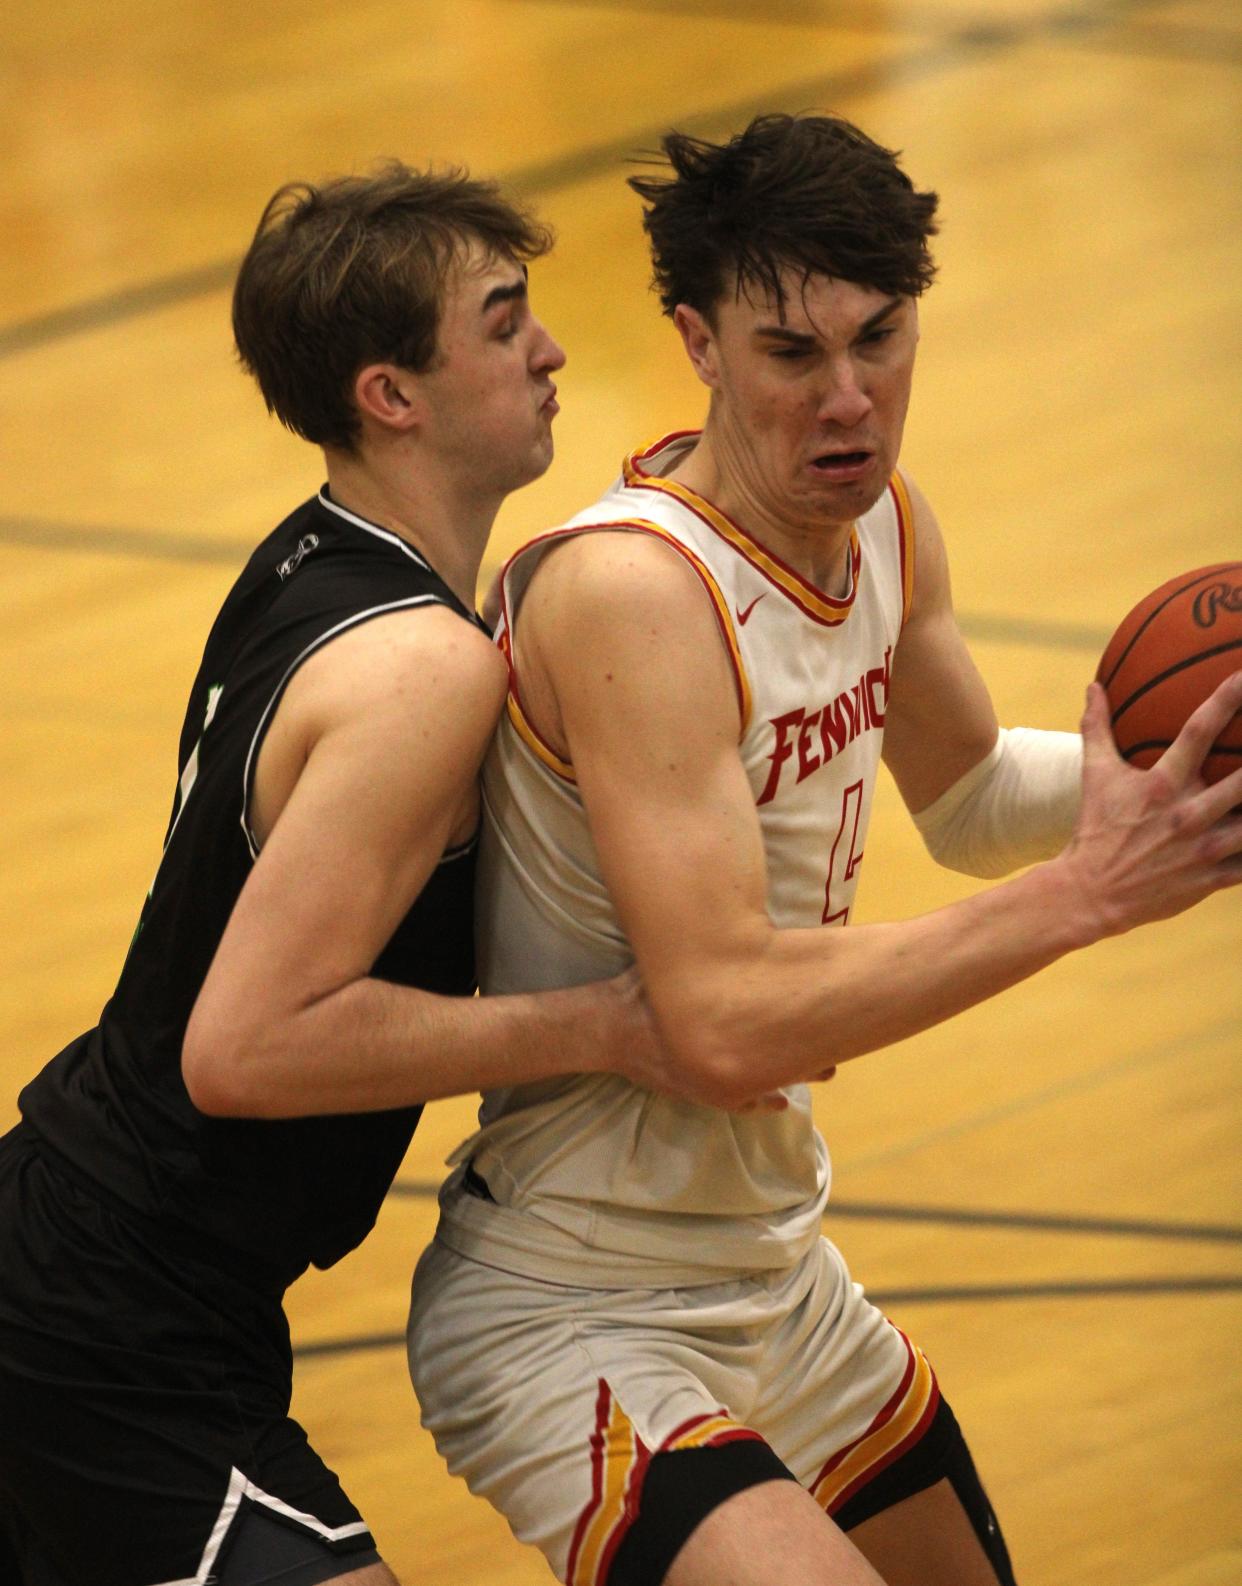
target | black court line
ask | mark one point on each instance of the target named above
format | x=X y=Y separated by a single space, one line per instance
x=861 y=16
x=889 y=1299
x=348 y=1346
x=115 y=307
x=1037 y=1222
x=973 y=1217
x=836 y=14
x=1070 y=1289
x=160 y=545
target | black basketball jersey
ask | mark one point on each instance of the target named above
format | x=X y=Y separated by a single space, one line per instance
x=273 y=1195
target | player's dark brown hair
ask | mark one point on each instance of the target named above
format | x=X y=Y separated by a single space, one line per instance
x=352 y=272
x=808 y=192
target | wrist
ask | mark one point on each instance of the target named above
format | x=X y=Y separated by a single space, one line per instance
x=580 y=1026
x=1073 y=917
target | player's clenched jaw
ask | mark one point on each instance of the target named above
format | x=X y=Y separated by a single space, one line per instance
x=808 y=398
x=492 y=398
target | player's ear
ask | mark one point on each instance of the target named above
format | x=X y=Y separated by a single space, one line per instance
x=700 y=342
x=388 y=395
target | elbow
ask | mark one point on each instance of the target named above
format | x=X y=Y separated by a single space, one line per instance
x=722 y=1041
x=219 y=1069
x=711 y=1062
x=210 y=1079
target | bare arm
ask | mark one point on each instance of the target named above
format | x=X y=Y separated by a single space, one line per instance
x=622 y=653
x=939 y=721
x=366 y=775
x=985 y=802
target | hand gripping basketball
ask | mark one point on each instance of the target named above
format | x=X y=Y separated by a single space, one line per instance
x=1150 y=844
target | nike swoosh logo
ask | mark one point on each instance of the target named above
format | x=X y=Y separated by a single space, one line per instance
x=743 y=617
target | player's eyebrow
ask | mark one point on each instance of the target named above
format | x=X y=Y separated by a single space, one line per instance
x=795 y=338
x=801 y=338
x=880 y=315
x=513 y=292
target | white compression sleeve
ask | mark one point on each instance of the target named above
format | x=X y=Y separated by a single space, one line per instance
x=1015 y=807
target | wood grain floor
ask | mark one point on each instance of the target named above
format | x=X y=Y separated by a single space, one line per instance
x=1046 y=1191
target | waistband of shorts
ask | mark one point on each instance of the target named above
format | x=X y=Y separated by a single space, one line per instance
x=521 y=1241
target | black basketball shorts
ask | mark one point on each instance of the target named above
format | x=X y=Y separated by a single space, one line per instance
x=145 y=1435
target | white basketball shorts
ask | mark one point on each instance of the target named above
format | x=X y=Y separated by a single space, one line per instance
x=550 y=1401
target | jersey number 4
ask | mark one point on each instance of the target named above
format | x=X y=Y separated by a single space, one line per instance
x=846 y=856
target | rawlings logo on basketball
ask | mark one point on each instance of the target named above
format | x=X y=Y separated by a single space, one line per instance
x=1216 y=598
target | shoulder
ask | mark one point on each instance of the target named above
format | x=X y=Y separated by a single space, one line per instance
x=421 y=659
x=622 y=632
x=405 y=703
x=616 y=572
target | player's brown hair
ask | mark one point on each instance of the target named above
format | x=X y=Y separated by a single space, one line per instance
x=808 y=192
x=352 y=272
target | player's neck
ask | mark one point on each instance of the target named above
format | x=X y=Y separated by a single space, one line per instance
x=448 y=527
x=815 y=547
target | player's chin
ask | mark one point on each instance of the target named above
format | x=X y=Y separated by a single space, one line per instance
x=541 y=457
x=851 y=498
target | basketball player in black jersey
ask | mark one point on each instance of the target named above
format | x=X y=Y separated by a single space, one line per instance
x=299 y=980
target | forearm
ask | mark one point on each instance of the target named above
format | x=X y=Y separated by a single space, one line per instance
x=1147 y=846
x=805 y=1000
x=372 y=1045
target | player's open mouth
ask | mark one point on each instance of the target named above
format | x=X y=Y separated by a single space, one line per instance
x=841 y=463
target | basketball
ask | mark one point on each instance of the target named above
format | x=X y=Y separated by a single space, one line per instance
x=1167 y=656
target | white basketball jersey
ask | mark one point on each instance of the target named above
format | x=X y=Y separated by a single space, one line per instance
x=596 y=1181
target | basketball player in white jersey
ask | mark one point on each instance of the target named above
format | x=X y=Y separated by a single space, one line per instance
x=629 y=1334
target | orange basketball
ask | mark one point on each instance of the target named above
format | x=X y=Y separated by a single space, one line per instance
x=1167 y=656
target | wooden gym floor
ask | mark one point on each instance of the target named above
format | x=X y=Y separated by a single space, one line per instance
x=1047 y=1191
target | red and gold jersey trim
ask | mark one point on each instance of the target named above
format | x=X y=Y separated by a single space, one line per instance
x=517 y=714
x=531 y=738
x=895 y=1430
x=809 y=600
x=619 y=1461
x=905 y=540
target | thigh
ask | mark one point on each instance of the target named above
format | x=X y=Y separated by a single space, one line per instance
x=144 y=1409
x=926 y=1519
x=927 y=1540
x=552 y=1402
x=771 y=1533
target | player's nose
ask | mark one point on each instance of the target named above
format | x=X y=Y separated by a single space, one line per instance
x=548 y=354
x=843 y=400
